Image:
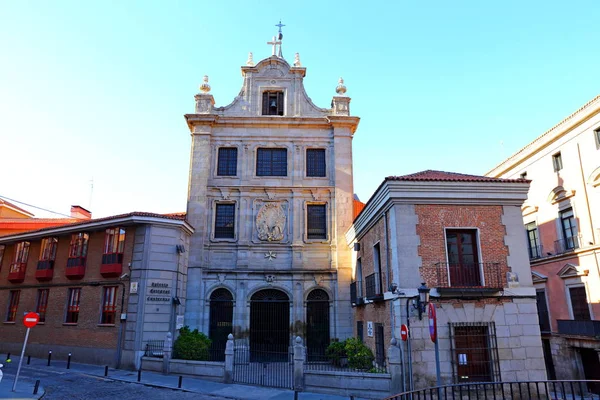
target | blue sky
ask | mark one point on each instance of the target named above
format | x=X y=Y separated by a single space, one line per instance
x=97 y=90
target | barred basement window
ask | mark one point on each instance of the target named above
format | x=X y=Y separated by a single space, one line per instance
x=316 y=221
x=360 y=335
x=109 y=305
x=42 y=303
x=73 y=306
x=271 y=162
x=474 y=351
x=272 y=103
x=315 y=162
x=13 y=305
x=227 y=161
x=225 y=221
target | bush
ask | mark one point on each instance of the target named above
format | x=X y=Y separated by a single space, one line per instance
x=191 y=345
x=358 y=355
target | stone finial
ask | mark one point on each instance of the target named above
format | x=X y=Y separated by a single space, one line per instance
x=230 y=336
x=297 y=62
x=205 y=87
x=341 y=88
x=250 y=61
x=393 y=342
x=298 y=340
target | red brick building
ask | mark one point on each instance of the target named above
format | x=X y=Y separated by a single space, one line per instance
x=14 y=219
x=461 y=235
x=91 y=283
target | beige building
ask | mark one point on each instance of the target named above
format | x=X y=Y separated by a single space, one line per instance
x=562 y=220
x=270 y=197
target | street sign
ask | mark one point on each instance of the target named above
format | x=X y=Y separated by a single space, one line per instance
x=404 y=332
x=370 y=328
x=31 y=319
x=432 y=323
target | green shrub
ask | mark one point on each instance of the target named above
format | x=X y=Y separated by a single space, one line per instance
x=358 y=355
x=191 y=345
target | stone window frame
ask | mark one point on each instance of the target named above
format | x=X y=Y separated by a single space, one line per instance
x=305 y=162
x=574 y=276
x=236 y=224
x=216 y=160
x=492 y=343
x=272 y=146
x=271 y=89
x=327 y=238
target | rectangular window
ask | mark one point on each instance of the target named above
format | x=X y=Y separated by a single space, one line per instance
x=597 y=137
x=359 y=278
x=227 y=161
x=20 y=258
x=463 y=261
x=13 y=305
x=542 y=307
x=579 y=303
x=379 y=346
x=569 y=229
x=475 y=352
x=73 y=306
x=48 y=249
x=109 y=305
x=225 y=221
x=533 y=241
x=557 y=162
x=377 y=268
x=315 y=162
x=271 y=162
x=78 y=245
x=114 y=244
x=42 y=303
x=272 y=103
x=360 y=332
x=316 y=221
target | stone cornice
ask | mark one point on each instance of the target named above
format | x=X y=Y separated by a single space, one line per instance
x=344 y=122
x=263 y=121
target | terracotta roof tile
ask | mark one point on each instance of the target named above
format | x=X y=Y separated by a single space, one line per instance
x=432 y=175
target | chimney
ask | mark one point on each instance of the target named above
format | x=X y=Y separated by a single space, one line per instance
x=80 y=213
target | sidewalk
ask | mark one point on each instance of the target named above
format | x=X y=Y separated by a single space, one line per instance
x=24 y=389
x=153 y=379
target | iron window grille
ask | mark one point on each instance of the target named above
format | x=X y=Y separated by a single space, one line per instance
x=557 y=162
x=109 y=305
x=579 y=303
x=227 y=161
x=315 y=163
x=535 y=250
x=474 y=352
x=379 y=346
x=360 y=331
x=271 y=162
x=42 y=303
x=13 y=305
x=21 y=256
x=316 y=221
x=272 y=103
x=73 y=300
x=542 y=307
x=377 y=264
x=225 y=221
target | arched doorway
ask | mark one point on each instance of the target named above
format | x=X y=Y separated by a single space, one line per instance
x=317 y=323
x=221 y=322
x=269 y=324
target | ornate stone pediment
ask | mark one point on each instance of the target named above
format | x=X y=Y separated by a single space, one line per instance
x=559 y=194
x=270 y=221
x=572 y=271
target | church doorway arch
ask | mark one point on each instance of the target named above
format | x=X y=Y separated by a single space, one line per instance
x=220 y=322
x=269 y=323
x=317 y=323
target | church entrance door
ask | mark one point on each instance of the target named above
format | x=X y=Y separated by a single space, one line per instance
x=269 y=324
x=221 y=322
x=317 y=324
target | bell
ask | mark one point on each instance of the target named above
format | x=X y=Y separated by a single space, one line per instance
x=273 y=103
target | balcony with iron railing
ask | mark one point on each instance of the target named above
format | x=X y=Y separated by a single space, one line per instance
x=356 y=295
x=45 y=270
x=536 y=252
x=579 y=327
x=373 y=289
x=75 y=267
x=567 y=244
x=112 y=265
x=468 y=277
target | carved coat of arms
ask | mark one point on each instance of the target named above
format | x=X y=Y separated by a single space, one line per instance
x=270 y=222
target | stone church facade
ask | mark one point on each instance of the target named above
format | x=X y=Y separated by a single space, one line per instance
x=270 y=197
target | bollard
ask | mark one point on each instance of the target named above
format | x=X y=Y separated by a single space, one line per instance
x=180 y=381
x=295 y=395
x=49 y=357
x=69 y=361
x=351 y=397
x=36 y=387
x=8 y=358
x=28 y=359
x=139 y=375
x=106 y=371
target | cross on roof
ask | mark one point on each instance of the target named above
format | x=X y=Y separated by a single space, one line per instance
x=274 y=42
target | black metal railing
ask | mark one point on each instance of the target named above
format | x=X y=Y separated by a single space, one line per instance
x=356 y=295
x=265 y=368
x=154 y=348
x=45 y=264
x=536 y=252
x=469 y=275
x=526 y=390
x=372 y=288
x=579 y=327
x=324 y=362
x=565 y=245
x=112 y=258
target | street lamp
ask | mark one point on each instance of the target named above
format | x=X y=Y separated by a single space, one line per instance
x=422 y=300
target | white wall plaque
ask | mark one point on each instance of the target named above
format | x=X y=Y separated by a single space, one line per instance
x=133 y=288
x=179 y=322
x=370 y=328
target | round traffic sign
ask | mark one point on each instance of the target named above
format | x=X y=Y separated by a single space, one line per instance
x=404 y=332
x=31 y=319
x=432 y=322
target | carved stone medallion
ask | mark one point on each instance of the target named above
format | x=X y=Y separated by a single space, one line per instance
x=270 y=222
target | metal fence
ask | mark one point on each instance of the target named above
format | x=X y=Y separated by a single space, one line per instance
x=154 y=348
x=526 y=390
x=265 y=368
x=322 y=362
